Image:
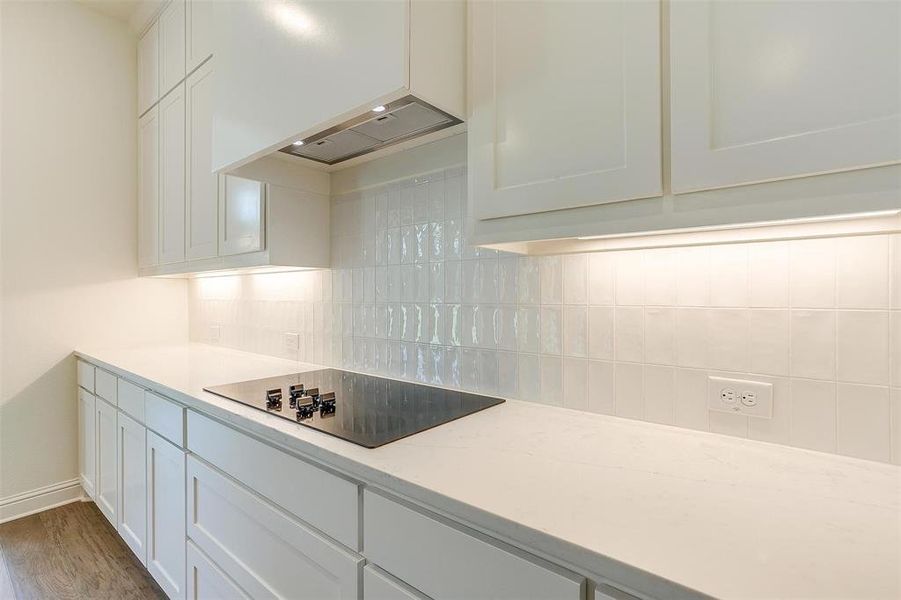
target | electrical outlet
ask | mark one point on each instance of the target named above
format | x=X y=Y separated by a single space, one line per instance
x=740 y=397
x=292 y=341
x=215 y=333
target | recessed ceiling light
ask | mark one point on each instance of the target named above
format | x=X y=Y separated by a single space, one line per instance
x=379 y=108
x=298 y=143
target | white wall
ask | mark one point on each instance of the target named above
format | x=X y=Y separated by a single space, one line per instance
x=69 y=227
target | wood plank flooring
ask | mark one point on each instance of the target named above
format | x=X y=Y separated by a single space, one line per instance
x=70 y=552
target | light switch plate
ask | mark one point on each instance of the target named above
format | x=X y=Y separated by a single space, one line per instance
x=740 y=397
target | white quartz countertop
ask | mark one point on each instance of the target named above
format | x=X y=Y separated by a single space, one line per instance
x=721 y=516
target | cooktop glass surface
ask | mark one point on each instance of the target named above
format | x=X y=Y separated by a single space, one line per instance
x=367 y=410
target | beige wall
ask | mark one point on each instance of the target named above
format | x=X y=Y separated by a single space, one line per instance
x=68 y=189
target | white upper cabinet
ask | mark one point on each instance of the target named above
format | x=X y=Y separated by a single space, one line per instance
x=241 y=215
x=202 y=185
x=148 y=68
x=564 y=104
x=773 y=90
x=172 y=45
x=294 y=68
x=199 y=26
x=148 y=188
x=172 y=177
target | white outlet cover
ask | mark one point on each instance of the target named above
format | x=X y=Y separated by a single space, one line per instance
x=740 y=397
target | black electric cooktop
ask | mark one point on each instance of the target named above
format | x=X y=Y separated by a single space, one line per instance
x=364 y=409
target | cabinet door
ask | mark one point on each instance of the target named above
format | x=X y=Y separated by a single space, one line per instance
x=200 y=14
x=241 y=215
x=172 y=45
x=260 y=547
x=774 y=90
x=106 y=494
x=206 y=581
x=166 y=515
x=172 y=177
x=202 y=186
x=378 y=585
x=149 y=188
x=564 y=104
x=149 y=68
x=132 y=511
x=87 y=441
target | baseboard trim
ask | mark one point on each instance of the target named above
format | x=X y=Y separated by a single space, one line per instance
x=40 y=499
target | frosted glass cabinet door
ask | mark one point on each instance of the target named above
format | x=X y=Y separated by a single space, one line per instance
x=202 y=185
x=241 y=215
x=564 y=104
x=774 y=90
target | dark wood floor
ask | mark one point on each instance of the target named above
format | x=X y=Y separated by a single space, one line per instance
x=70 y=552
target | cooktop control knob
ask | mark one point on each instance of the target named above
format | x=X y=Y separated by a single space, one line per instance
x=305 y=411
x=313 y=393
x=295 y=392
x=274 y=399
x=327 y=404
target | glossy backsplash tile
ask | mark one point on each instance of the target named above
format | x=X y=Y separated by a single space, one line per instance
x=632 y=333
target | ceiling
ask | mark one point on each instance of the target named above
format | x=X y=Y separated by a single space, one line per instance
x=122 y=10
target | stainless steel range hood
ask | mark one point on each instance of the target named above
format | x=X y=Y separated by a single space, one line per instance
x=379 y=128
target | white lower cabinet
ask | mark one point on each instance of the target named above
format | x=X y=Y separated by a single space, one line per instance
x=166 y=515
x=87 y=441
x=132 y=513
x=107 y=484
x=378 y=585
x=206 y=581
x=443 y=561
x=266 y=552
x=233 y=517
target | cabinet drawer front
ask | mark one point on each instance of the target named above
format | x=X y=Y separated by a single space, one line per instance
x=165 y=417
x=207 y=581
x=131 y=400
x=445 y=562
x=326 y=501
x=377 y=585
x=266 y=552
x=85 y=375
x=105 y=385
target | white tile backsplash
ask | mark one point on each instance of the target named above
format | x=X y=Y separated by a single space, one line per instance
x=631 y=333
x=863 y=419
x=862 y=275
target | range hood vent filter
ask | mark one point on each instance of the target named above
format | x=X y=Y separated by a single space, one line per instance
x=402 y=120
